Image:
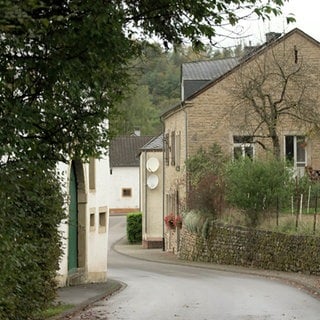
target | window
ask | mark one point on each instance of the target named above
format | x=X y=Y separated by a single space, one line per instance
x=126 y=192
x=295 y=151
x=170 y=203
x=92 y=219
x=102 y=222
x=243 y=146
x=102 y=219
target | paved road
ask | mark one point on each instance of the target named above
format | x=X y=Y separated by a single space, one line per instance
x=157 y=291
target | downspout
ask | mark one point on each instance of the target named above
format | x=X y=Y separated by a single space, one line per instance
x=145 y=194
x=183 y=108
x=163 y=179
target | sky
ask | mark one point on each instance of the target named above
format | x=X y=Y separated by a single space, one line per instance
x=306 y=13
x=307 y=17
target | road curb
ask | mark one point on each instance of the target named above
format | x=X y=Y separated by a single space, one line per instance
x=295 y=280
x=112 y=287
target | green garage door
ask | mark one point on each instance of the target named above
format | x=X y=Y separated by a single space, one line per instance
x=73 y=222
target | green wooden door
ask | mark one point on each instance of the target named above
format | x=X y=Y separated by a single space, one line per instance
x=73 y=222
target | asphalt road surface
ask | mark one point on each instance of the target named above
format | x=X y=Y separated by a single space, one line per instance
x=157 y=291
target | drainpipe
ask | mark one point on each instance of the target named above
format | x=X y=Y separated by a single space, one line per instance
x=146 y=194
x=183 y=108
x=163 y=181
x=185 y=128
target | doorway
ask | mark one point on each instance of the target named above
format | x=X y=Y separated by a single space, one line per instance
x=73 y=221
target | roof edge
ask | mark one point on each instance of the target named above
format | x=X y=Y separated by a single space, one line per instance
x=264 y=47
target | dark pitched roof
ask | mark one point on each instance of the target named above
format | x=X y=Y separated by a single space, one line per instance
x=196 y=75
x=253 y=54
x=207 y=70
x=124 y=150
x=154 y=144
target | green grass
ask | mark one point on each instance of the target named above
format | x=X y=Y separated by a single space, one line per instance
x=286 y=222
x=55 y=310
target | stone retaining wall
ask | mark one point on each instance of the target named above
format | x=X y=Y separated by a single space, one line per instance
x=255 y=248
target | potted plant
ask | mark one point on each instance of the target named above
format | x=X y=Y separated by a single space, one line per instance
x=170 y=221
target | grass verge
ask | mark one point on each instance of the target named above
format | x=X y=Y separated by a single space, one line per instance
x=55 y=310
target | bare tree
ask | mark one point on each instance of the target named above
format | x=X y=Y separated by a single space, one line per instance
x=277 y=89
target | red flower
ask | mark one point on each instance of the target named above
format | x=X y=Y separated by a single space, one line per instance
x=170 y=220
x=173 y=221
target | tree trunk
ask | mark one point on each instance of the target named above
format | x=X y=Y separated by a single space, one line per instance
x=276 y=146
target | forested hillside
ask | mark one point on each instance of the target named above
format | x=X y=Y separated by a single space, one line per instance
x=157 y=86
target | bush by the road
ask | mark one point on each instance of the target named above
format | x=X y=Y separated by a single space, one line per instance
x=31 y=211
x=258 y=186
x=134 y=227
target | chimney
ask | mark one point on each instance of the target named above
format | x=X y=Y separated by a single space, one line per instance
x=270 y=36
x=249 y=50
x=137 y=132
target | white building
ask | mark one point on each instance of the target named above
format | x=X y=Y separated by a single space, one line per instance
x=124 y=196
x=85 y=232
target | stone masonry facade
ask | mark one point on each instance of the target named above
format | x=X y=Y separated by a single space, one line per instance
x=215 y=115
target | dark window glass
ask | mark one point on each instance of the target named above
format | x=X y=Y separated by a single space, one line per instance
x=289 y=148
x=126 y=192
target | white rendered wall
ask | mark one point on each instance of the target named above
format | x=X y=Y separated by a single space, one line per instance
x=124 y=177
x=151 y=199
x=96 y=244
x=97 y=235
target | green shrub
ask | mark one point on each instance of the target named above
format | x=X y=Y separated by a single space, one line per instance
x=197 y=222
x=257 y=187
x=31 y=211
x=134 y=227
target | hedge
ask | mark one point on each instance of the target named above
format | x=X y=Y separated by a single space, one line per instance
x=134 y=227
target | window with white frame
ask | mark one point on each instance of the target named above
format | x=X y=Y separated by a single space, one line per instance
x=243 y=146
x=295 y=152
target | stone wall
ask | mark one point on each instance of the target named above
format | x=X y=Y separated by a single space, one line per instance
x=254 y=248
x=171 y=238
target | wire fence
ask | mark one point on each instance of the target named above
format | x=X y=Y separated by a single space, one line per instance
x=298 y=214
x=300 y=210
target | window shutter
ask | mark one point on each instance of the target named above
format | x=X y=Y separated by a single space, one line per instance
x=173 y=148
x=166 y=148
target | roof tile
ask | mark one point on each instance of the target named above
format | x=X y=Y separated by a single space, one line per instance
x=124 y=150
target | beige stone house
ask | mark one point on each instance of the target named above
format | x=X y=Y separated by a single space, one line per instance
x=264 y=103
